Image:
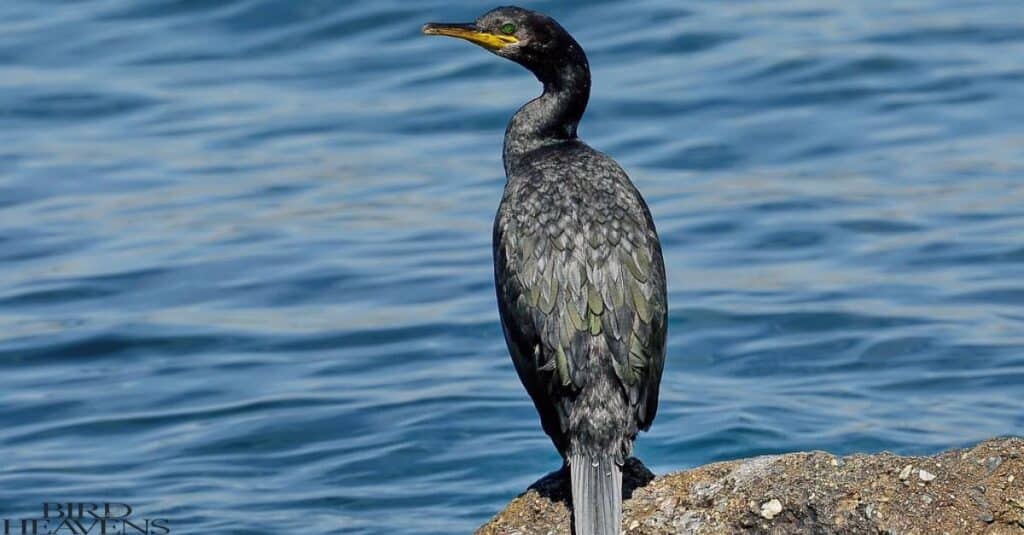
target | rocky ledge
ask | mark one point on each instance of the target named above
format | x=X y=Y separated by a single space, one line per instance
x=975 y=490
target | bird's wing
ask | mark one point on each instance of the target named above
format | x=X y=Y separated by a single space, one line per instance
x=626 y=270
x=640 y=348
x=524 y=304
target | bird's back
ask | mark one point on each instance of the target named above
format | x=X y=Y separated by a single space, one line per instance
x=581 y=291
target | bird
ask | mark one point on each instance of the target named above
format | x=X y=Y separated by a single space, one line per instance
x=578 y=268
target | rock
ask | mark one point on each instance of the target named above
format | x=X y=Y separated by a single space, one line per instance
x=864 y=494
x=771 y=508
x=993 y=462
x=905 y=473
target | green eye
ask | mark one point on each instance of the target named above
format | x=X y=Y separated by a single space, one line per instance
x=508 y=28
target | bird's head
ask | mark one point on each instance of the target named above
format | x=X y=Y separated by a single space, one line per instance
x=531 y=39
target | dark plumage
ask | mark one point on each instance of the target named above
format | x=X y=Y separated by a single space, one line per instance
x=578 y=268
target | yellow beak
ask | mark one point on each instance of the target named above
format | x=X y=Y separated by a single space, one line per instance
x=469 y=32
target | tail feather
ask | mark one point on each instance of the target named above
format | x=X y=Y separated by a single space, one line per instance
x=596 y=495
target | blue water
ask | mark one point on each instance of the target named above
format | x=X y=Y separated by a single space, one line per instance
x=245 y=272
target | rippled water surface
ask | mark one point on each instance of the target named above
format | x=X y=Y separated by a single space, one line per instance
x=245 y=273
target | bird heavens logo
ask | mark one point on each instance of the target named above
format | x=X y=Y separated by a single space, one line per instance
x=83 y=518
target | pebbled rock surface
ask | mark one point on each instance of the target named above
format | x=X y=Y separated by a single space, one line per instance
x=975 y=490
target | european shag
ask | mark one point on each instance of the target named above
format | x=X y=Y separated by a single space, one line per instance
x=578 y=269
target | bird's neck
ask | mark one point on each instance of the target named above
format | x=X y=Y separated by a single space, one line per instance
x=553 y=116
